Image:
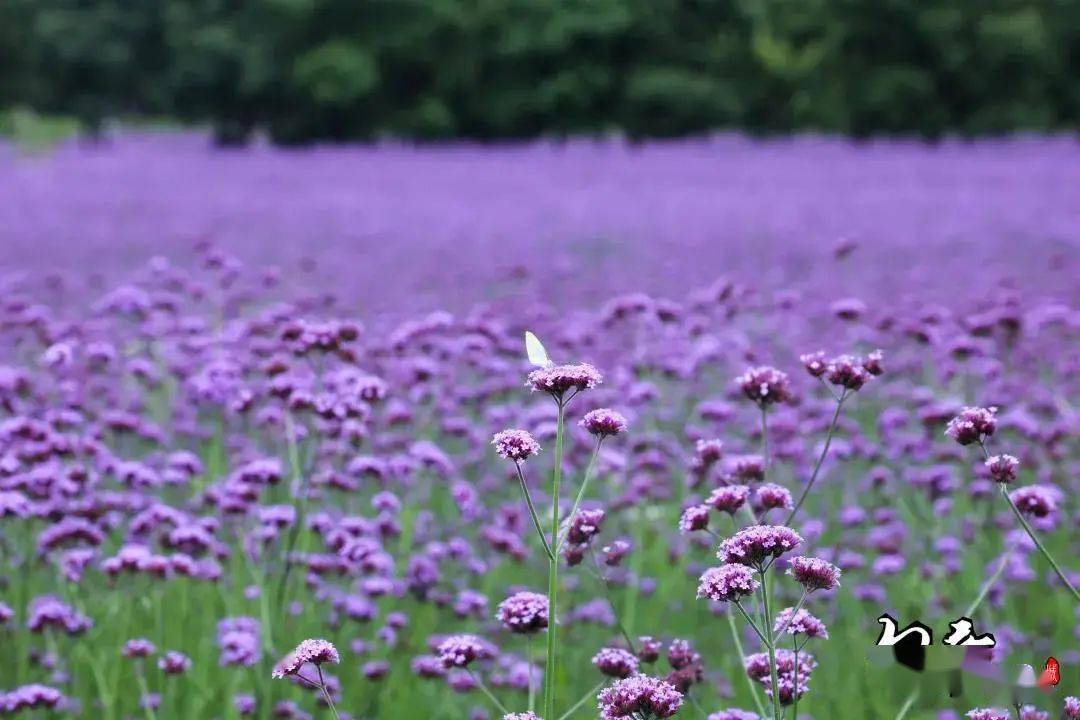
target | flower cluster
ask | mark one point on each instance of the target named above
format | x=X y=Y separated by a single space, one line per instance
x=755 y=545
x=765 y=385
x=639 y=696
x=516 y=445
x=524 y=613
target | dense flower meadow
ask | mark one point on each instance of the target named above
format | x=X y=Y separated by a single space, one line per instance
x=228 y=490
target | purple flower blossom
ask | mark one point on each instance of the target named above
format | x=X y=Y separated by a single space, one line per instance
x=524 y=613
x=1036 y=500
x=755 y=545
x=972 y=425
x=799 y=623
x=694 y=518
x=765 y=385
x=603 y=422
x=639 y=696
x=987 y=714
x=1002 y=468
x=174 y=663
x=729 y=498
x=315 y=651
x=616 y=662
x=463 y=650
x=733 y=714
x=727 y=583
x=814 y=573
x=560 y=379
x=516 y=445
x=139 y=648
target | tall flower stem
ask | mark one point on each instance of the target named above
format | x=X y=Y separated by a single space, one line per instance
x=582 y=701
x=326 y=694
x=532 y=512
x=297 y=486
x=490 y=695
x=529 y=658
x=553 y=569
x=739 y=649
x=907 y=704
x=581 y=493
x=821 y=458
x=770 y=644
x=145 y=701
x=1038 y=543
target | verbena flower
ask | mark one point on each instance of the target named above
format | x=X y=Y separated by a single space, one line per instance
x=847 y=372
x=174 y=663
x=727 y=583
x=463 y=650
x=770 y=496
x=603 y=422
x=695 y=517
x=765 y=385
x=733 y=714
x=1036 y=500
x=1002 y=468
x=800 y=623
x=972 y=425
x=616 y=662
x=729 y=498
x=585 y=525
x=315 y=651
x=987 y=714
x=639 y=696
x=814 y=363
x=516 y=445
x=814 y=573
x=524 y=612
x=758 y=543
x=1071 y=709
x=561 y=379
x=139 y=648
x=522 y=716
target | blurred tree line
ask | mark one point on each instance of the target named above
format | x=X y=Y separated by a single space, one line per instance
x=344 y=69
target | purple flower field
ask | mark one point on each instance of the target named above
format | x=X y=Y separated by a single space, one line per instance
x=273 y=443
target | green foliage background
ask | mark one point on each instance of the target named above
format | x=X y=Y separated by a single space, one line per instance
x=428 y=69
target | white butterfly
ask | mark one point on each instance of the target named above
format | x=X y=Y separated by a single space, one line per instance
x=537 y=354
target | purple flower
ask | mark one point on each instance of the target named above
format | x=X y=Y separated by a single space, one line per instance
x=972 y=425
x=1002 y=468
x=463 y=650
x=814 y=573
x=773 y=497
x=708 y=452
x=727 y=583
x=522 y=716
x=1030 y=712
x=560 y=379
x=694 y=518
x=729 y=498
x=733 y=714
x=616 y=662
x=603 y=422
x=847 y=372
x=640 y=696
x=799 y=623
x=873 y=363
x=754 y=545
x=50 y=612
x=1036 y=500
x=585 y=525
x=174 y=663
x=516 y=445
x=987 y=714
x=139 y=648
x=30 y=697
x=314 y=650
x=814 y=363
x=524 y=612
x=649 y=649
x=1071 y=710
x=765 y=385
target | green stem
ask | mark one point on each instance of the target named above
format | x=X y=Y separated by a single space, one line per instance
x=821 y=458
x=532 y=512
x=739 y=649
x=611 y=601
x=529 y=658
x=326 y=693
x=297 y=486
x=582 y=701
x=145 y=699
x=553 y=570
x=794 y=610
x=581 y=494
x=752 y=624
x=795 y=690
x=907 y=704
x=970 y=612
x=490 y=695
x=1038 y=543
x=771 y=645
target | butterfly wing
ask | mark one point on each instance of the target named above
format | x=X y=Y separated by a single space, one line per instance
x=535 y=350
x=1051 y=676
